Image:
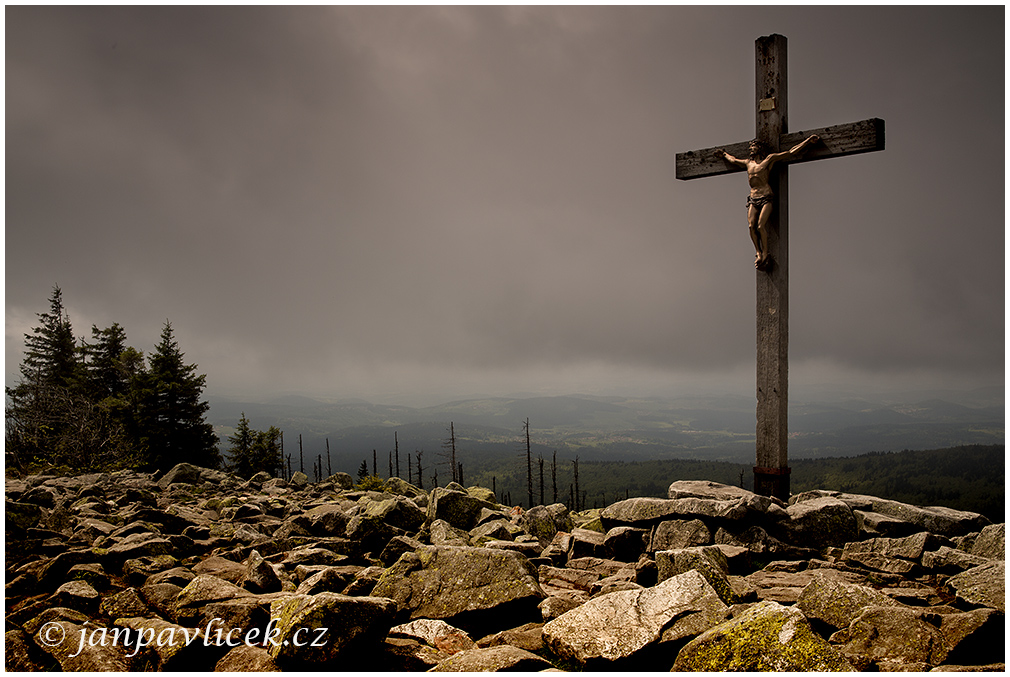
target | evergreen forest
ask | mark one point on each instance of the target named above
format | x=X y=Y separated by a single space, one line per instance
x=101 y=404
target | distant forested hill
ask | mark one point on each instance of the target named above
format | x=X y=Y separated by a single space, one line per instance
x=964 y=478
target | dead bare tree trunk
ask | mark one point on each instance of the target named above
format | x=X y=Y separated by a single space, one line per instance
x=576 y=474
x=540 y=459
x=554 y=476
x=529 y=465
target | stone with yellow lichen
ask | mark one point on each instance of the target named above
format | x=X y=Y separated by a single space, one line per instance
x=766 y=637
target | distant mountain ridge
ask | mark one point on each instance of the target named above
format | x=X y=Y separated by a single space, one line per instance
x=709 y=428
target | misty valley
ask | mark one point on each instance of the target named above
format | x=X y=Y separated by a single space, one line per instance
x=627 y=447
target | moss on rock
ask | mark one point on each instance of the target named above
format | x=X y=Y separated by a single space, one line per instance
x=766 y=637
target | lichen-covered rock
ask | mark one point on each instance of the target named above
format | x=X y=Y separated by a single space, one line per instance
x=174 y=647
x=397 y=511
x=934 y=519
x=467 y=587
x=765 y=637
x=258 y=575
x=201 y=591
x=974 y=637
x=585 y=543
x=707 y=560
x=436 y=633
x=19 y=515
x=725 y=492
x=983 y=586
x=341 y=480
x=183 y=473
x=836 y=602
x=561 y=602
x=495 y=530
x=324 y=520
x=396 y=546
x=626 y=543
x=677 y=534
x=320 y=629
x=822 y=522
x=991 y=542
x=125 y=604
x=62 y=640
x=646 y=512
x=883 y=563
x=76 y=595
x=544 y=521
x=138 y=545
x=18 y=652
x=566 y=578
x=876 y=524
x=443 y=533
x=910 y=547
x=483 y=493
x=762 y=544
x=946 y=560
x=493 y=659
x=617 y=626
x=226 y=569
x=527 y=637
x=896 y=634
x=245 y=658
x=458 y=508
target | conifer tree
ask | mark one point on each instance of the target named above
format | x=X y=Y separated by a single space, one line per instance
x=173 y=426
x=51 y=358
x=240 y=453
x=267 y=455
x=105 y=377
x=50 y=420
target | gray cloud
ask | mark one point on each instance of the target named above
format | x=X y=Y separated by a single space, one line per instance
x=358 y=200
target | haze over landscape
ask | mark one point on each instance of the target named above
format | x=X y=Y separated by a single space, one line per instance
x=413 y=205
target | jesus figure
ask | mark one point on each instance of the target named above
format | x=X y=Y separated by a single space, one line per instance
x=761 y=199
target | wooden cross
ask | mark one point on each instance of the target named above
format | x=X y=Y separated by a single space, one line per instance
x=771 y=474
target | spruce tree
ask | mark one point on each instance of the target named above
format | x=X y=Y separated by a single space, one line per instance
x=51 y=422
x=51 y=358
x=172 y=417
x=240 y=453
x=105 y=377
x=252 y=451
x=267 y=451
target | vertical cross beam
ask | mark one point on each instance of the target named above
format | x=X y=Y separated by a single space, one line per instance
x=771 y=474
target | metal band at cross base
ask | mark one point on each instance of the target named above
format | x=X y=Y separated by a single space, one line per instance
x=772 y=482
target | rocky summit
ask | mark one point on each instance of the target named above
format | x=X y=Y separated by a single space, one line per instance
x=200 y=570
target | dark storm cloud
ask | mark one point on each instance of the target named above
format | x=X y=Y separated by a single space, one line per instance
x=352 y=199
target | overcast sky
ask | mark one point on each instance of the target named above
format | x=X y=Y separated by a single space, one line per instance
x=393 y=203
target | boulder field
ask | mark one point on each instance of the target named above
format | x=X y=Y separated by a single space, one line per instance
x=200 y=570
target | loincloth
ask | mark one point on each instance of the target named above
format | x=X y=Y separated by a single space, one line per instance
x=759 y=201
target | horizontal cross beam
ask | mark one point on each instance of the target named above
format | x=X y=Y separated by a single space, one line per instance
x=849 y=139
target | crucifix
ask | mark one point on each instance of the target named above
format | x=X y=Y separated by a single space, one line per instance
x=769 y=204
